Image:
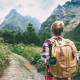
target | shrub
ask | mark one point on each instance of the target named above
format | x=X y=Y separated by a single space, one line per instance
x=40 y=67
x=32 y=53
x=77 y=76
x=35 y=59
x=4 y=59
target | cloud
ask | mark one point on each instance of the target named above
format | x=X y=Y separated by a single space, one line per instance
x=61 y=2
x=30 y=5
x=40 y=9
x=19 y=6
x=10 y=3
x=46 y=4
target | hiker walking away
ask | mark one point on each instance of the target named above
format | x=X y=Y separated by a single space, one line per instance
x=59 y=55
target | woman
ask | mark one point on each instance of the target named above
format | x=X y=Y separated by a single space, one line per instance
x=57 y=32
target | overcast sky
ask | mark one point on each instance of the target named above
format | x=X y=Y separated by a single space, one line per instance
x=41 y=9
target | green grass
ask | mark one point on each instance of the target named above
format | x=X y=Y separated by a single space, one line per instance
x=27 y=51
x=4 y=58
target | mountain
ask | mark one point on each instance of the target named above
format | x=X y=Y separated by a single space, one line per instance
x=15 y=21
x=69 y=13
x=74 y=34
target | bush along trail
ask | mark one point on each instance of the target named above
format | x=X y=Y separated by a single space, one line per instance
x=4 y=59
x=20 y=69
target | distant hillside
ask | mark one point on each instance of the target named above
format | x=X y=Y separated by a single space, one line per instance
x=69 y=13
x=74 y=34
x=15 y=21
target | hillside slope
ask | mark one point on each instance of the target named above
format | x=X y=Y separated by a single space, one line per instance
x=69 y=13
x=15 y=21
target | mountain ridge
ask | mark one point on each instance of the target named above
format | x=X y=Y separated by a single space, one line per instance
x=69 y=13
x=19 y=22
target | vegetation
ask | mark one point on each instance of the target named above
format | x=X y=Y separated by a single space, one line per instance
x=77 y=75
x=45 y=35
x=66 y=23
x=28 y=37
x=74 y=35
x=4 y=58
x=32 y=53
x=8 y=36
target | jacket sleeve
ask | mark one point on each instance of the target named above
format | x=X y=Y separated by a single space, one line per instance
x=45 y=50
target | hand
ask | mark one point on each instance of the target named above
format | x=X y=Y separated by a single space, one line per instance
x=47 y=58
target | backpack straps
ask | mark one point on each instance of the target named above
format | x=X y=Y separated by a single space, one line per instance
x=61 y=53
x=70 y=44
x=55 y=41
x=52 y=41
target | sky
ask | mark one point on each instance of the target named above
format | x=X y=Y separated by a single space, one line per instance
x=40 y=9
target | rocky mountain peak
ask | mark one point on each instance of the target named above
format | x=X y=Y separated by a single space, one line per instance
x=69 y=13
x=15 y=21
x=13 y=11
x=75 y=1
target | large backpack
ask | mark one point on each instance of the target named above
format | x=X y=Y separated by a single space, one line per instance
x=65 y=53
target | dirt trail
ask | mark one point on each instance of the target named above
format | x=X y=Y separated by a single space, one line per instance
x=21 y=69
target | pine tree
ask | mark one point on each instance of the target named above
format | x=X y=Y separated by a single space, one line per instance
x=31 y=36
